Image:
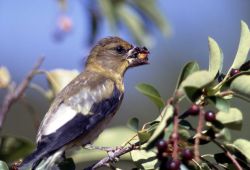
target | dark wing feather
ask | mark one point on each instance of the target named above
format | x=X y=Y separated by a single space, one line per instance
x=81 y=124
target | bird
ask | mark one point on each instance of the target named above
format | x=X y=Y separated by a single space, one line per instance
x=82 y=110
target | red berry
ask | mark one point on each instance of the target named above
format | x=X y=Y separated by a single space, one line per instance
x=210 y=116
x=233 y=72
x=162 y=145
x=187 y=154
x=173 y=165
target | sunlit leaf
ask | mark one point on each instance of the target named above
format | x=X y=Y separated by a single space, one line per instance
x=243 y=146
x=215 y=57
x=198 y=79
x=220 y=103
x=144 y=159
x=241 y=85
x=14 y=148
x=133 y=124
x=3 y=166
x=167 y=114
x=244 y=46
x=225 y=134
x=4 y=77
x=187 y=70
x=151 y=93
x=231 y=119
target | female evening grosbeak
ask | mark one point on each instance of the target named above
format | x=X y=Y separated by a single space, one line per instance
x=84 y=107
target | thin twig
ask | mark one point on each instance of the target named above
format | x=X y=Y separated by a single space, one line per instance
x=117 y=153
x=229 y=155
x=12 y=96
x=198 y=135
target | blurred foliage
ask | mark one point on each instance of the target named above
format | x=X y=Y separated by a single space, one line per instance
x=14 y=148
x=4 y=77
x=132 y=15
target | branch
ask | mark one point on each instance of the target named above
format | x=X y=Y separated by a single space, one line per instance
x=229 y=155
x=13 y=95
x=117 y=153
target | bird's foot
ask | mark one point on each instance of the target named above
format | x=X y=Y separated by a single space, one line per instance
x=102 y=148
x=110 y=151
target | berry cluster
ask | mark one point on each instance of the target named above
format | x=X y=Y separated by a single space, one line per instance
x=165 y=149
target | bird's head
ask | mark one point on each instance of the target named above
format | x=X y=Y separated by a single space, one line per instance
x=117 y=55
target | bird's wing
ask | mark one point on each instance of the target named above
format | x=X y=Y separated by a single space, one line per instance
x=78 y=114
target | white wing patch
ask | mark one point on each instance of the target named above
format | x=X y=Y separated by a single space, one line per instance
x=57 y=120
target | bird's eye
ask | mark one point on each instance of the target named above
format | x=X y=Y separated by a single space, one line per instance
x=120 y=49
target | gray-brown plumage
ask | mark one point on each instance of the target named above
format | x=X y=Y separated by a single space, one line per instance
x=83 y=108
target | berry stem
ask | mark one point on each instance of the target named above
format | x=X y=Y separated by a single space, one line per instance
x=198 y=135
x=175 y=135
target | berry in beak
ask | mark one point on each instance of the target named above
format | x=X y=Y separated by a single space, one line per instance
x=138 y=56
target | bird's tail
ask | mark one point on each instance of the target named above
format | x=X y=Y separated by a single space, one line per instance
x=40 y=160
x=31 y=161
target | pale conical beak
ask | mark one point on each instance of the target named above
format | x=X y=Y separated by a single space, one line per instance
x=138 y=56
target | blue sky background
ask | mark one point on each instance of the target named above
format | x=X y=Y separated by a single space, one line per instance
x=26 y=32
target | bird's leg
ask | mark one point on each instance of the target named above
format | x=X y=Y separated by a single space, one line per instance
x=101 y=148
x=110 y=150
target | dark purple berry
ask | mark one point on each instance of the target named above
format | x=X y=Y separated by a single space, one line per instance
x=194 y=110
x=187 y=154
x=173 y=165
x=210 y=116
x=162 y=156
x=233 y=72
x=162 y=146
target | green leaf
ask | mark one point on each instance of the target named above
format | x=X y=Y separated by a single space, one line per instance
x=243 y=146
x=225 y=135
x=149 y=9
x=144 y=136
x=198 y=79
x=220 y=103
x=241 y=85
x=244 y=45
x=108 y=9
x=193 y=93
x=215 y=57
x=135 y=25
x=3 y=166
x=151 y=93
x=167 y=113
x=184 y=134
x=133 y=124
x=14 y=148
x=231 y=119
x=187 y=70
x=144 y=160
